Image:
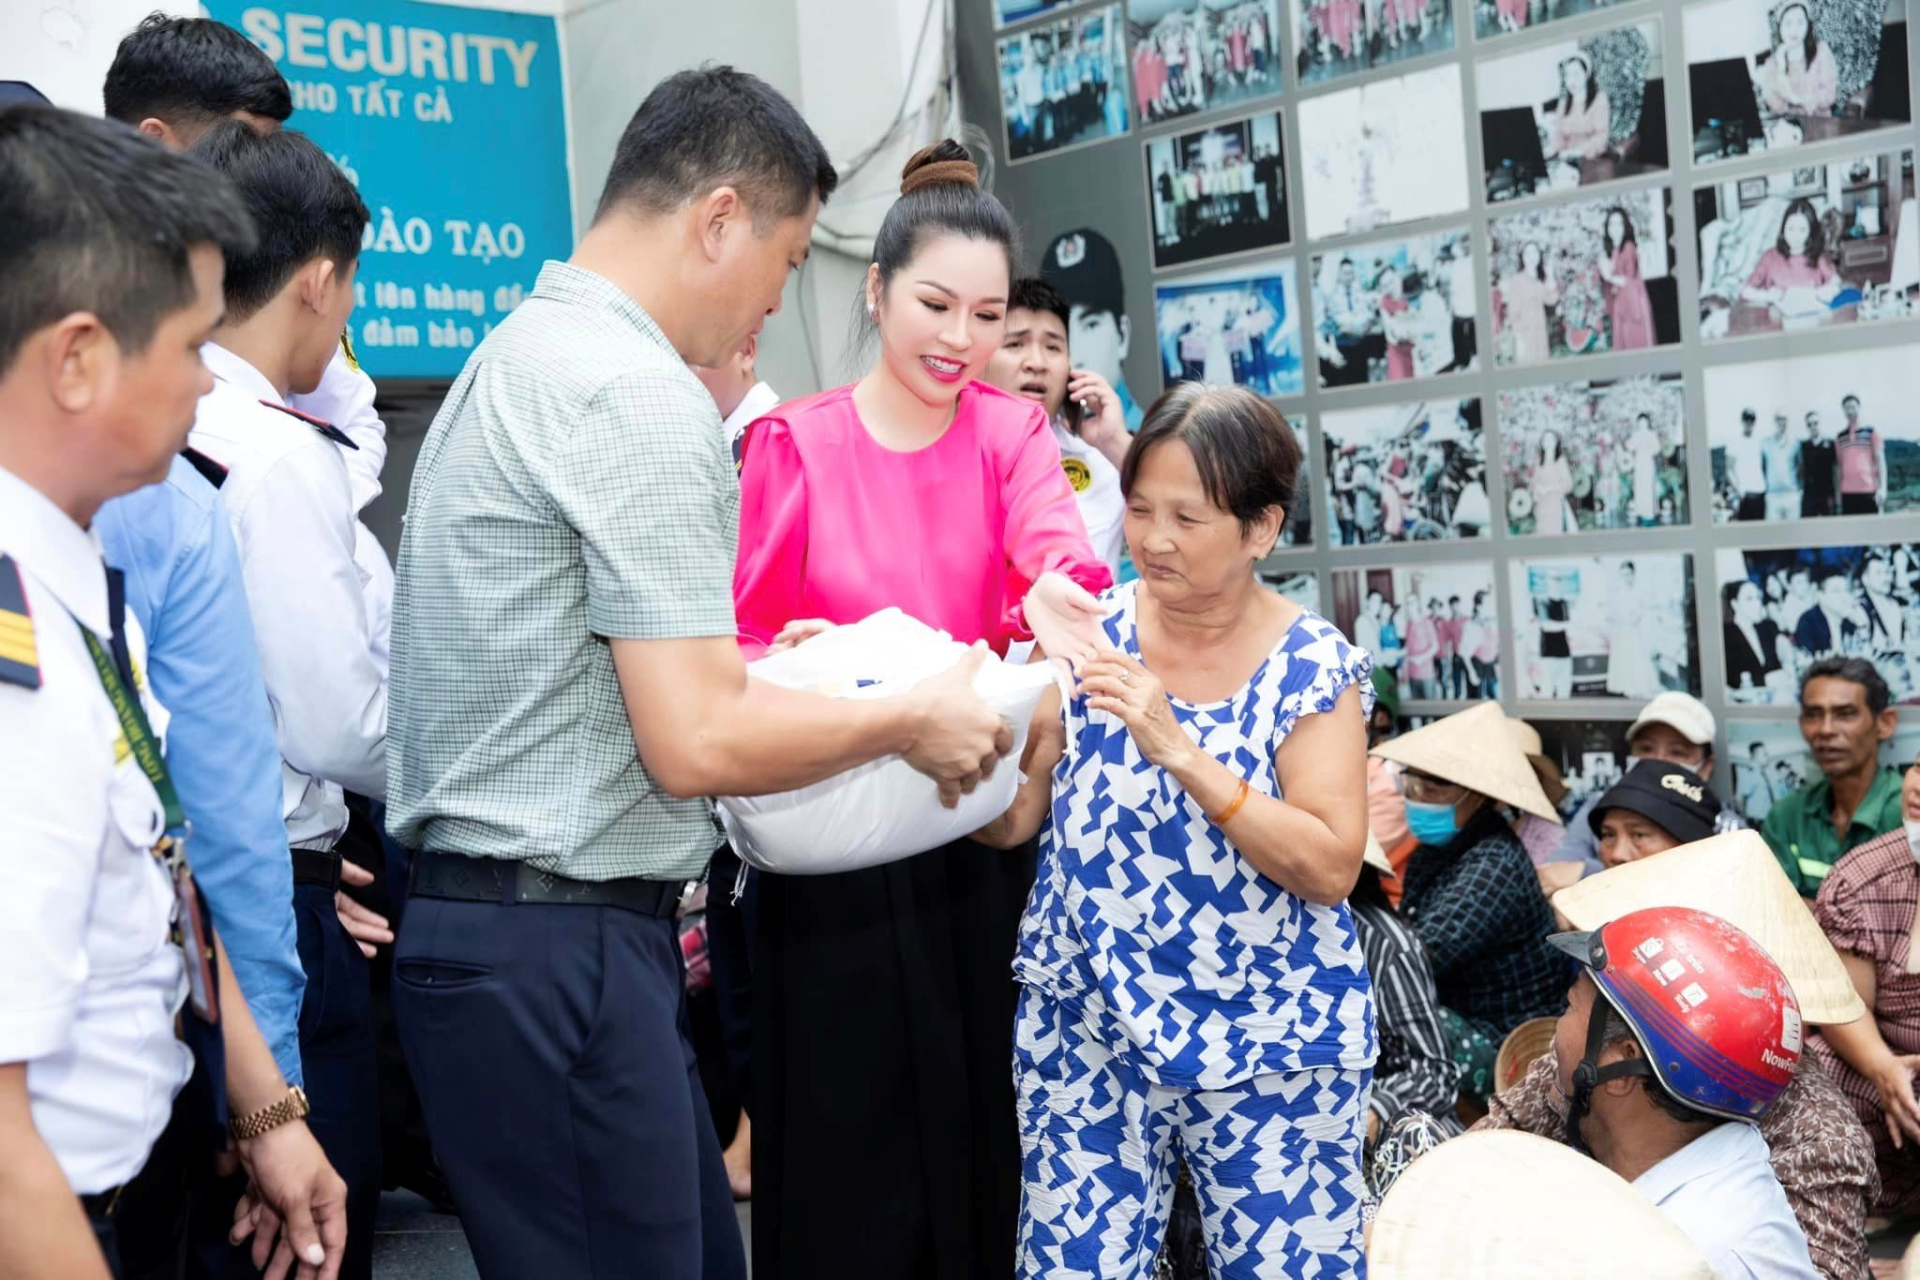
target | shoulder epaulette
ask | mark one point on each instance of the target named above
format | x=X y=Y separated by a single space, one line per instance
x=210 y=471
x=19 y=655
x=326 y=429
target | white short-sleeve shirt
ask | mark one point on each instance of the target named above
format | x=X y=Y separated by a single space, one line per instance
x=92 y=979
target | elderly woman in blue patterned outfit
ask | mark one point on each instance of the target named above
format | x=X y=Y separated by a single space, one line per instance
x=1191 y=983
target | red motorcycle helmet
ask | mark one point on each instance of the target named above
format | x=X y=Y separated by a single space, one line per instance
x=1715 y=1016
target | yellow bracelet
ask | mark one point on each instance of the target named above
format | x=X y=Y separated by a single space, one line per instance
x=1239 y=798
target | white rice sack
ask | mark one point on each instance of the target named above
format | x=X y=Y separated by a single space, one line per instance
x=884 y=810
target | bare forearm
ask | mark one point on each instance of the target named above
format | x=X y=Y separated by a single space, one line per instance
x=1293 y=848
x=253 y=1079
x=765 y=739
x=1859 y=1044
x=43 y=1230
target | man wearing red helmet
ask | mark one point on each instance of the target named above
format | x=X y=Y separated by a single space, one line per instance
x=1679 y=1034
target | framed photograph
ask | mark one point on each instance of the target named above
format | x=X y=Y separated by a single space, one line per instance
x=1302 y=586
x=1297 y=533
x=1585 y=456
x=1584 y=278
x=1435 y=626
x=1590 y=754
x=1191 y=56
x=1063 y=84
x=1390 y=151
x=1334 y=38
x=1805 y=437
x=1808 y=248
x=1770 y=761
x=1575 y=113
x=1492 y=18
x=1081 y=262
x=1406 y=472
x=1617 y=626
x=1008 y=13
x=1781 y=610
x=1238 y=326
x=1218 y=191
x=1772 y=75
x=1396 y=310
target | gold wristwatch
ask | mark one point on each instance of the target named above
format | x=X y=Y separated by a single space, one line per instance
x=291 y=1107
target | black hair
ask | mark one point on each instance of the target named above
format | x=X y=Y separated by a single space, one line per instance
x=192 y=71
x=1593 y=84
x=1643 y=417
x=1749 y=415
x=717 y=127
x=1619 y=1029
x=1606 y=232
x=940 y=194
x=1847 y=397
x=1816 y=235
x=100 y=219
x=305 y=207
x=1811 y=44
x=1540 y=262
x=1031 y=293
x=1755 y=746
x=1731 y=592
x=1247 y=455
x=1856 y=671
x=1628 y=564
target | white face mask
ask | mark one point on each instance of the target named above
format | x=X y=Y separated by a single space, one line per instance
x=1913 y=839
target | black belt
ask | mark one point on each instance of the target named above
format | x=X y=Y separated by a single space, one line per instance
x=508 y=881
x=316 y=866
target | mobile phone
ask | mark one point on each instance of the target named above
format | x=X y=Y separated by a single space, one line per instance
x=1072 y=411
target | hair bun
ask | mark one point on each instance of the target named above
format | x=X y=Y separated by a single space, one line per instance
x=945 y=162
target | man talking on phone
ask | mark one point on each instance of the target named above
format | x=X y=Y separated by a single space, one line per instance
x=1035 y=362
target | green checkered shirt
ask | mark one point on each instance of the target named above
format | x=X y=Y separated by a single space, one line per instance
x=575 y=487
x=1799 y=827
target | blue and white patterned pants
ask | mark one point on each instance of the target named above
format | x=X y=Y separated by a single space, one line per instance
x=1276 y=1162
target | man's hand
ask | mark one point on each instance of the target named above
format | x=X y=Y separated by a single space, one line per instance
x=295 y=1206
x=957 y=738
x=1103 y=424
x=369 y=929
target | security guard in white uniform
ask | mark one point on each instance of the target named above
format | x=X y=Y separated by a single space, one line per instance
x=111 y=270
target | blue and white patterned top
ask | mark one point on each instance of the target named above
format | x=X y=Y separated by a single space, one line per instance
x=1149 y=925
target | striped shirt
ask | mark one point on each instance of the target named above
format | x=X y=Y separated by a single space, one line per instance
x=1416 y=1071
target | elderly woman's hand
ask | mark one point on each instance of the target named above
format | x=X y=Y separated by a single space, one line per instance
x=1116 y=683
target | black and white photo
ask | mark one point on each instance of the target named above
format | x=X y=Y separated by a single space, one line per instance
x=1591 y=755
x=1302 y=586
x=1333 y=38
x=1812 y=247
x=1614 y=626
x=1082 y=263
x=1435 y=626
x=1389 y=151
x=1396 y=310
x=1297 y=533
x=1191 y=56
x=1406 y=472
x=1493 y=18
x=1574 y=113
x=1597 y=455
x=1781 y=610
x=1239 y=326
x=1772 y=75
x=1218 y=191
x=1583 y=278
x=1770 y=761
x=1805 y=437
x=1064 y=84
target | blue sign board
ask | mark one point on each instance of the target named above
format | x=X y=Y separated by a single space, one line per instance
x=452 y=122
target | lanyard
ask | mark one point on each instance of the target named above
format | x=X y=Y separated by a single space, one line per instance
x=133 y=723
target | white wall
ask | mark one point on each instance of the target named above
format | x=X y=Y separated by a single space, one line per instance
x=64 y=47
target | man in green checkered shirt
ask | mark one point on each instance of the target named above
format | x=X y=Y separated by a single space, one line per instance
x=1846 y=712
x=567 y=688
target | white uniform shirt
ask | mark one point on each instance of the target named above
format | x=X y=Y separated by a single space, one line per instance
x=759 y=401
x=92 y=978
x=344 y=398
x=290 y=501
x=1096 y=484
x=1721 y=1192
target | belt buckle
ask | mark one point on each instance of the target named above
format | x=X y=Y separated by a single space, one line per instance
x=687 y=891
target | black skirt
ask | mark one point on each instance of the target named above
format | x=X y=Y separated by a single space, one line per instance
x=885 y=1143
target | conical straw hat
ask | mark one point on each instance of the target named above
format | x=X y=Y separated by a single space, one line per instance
x=1524 y=1045
x=1497 y=1205
x=1476 y=749
x=1527 y=736
x=1735 y=877
x=1376 y=857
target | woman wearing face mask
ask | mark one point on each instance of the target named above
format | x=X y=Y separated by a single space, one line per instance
x=1471 y=894
x=1868 y=906
x=883 y=1009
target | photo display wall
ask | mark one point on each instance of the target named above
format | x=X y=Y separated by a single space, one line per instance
x=1600 y=322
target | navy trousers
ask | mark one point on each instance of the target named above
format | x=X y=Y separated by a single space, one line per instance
x=343 y=1090
x=550 y=1047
